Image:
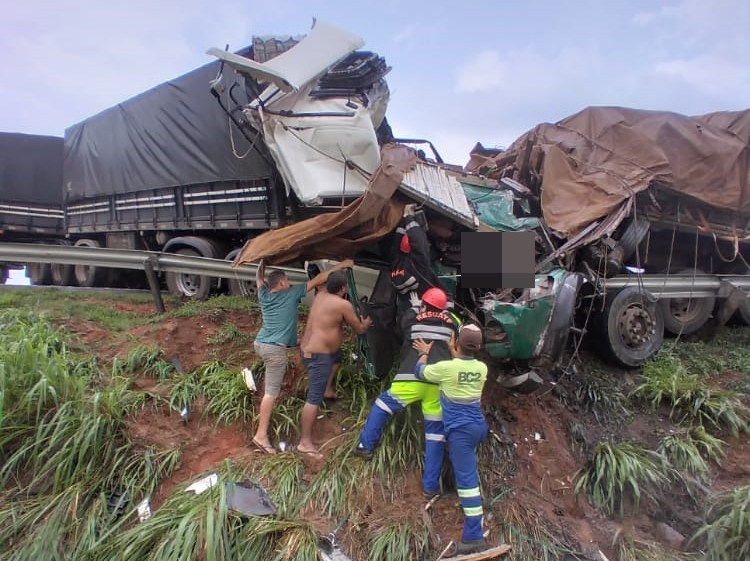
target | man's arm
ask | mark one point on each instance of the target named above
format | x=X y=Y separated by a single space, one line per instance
x=260 y=279
x=321 y=278
x=358 y=324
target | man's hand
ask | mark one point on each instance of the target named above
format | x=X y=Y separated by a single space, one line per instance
x=346 y=264
x=422 y=347
x=414 y=299
x=453 y=346
x=366 y=322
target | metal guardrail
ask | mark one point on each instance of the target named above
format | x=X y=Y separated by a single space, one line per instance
x=678 y=286
x=671 y=286
x=134 y=259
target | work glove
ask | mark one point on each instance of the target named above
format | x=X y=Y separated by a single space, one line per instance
x=409 y=209
x=414 y=299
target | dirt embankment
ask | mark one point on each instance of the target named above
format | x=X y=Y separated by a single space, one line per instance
x=547 y=436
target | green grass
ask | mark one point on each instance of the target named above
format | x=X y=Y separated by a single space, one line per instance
x=692 y=451
x=727 y=530
x=57 y=305
x=620 y=474
x=212 y=307
x=667 y=381
x=229 y=333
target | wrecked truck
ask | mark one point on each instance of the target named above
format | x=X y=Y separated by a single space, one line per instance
x=638 y=216
x=320 y=107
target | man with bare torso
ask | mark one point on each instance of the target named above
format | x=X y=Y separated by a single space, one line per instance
x=321 y=341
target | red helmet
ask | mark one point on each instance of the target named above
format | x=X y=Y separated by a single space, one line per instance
x=436 y=298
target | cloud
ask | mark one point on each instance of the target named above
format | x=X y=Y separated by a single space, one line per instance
x=709 y=74
x=525 y=74
x=68 y=74
x=406 y=34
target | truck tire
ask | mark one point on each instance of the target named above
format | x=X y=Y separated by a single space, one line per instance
x=62 y=274
x=89 y=276
x=630 y=328
x=683 y=316
x=191 y=286
x=239 y=287
x=3 y=275
x=39 y=273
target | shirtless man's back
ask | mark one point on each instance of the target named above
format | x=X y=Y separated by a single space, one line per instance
x=324 y=331
x=321 y=340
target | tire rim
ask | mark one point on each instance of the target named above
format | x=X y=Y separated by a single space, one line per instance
x=188 y=284
x=635 y=326
x=685 y=310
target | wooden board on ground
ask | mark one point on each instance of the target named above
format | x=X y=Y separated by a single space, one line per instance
x=492 y=553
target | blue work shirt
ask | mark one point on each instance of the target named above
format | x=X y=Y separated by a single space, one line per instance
x=279 y=310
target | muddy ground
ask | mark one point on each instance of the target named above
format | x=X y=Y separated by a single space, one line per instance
x=549 y=436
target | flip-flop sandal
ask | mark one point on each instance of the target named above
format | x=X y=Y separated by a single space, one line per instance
x=311 y=454
x=269 y=450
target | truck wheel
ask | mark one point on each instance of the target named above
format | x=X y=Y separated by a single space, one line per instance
x=62 y=274
x=3 y=275
x=239 y=287
x=244 y=288
x=39 y=273
x=185 y=284
x=631 y=327
x=89 y=276
x=683 y=316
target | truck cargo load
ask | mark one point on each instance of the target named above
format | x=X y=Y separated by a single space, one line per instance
x=31 y=183
x=174 y=134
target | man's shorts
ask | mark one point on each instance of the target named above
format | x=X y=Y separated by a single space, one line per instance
x=319 y=367
x=276 y=359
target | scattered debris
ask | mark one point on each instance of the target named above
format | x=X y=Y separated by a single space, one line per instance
x=249 y=498
x=144 y=510
x=328 y=546
x=202 y=484
x=247 y=374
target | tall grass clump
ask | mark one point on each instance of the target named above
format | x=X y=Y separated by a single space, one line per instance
x=692 y=451
x=666 y=381
x=37 y=374
x=66 y=466
x=148 y=359
x=527 y=530
x=398 y=538
x=229 y=399
x=727 y=530
x=192 y=526
x=618 y=473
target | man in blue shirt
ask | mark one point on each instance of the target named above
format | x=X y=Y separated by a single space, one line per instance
x=279 y=302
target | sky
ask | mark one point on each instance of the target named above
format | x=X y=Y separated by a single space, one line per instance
x=462 y=72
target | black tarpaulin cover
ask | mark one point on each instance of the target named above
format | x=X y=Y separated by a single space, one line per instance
x=31 y=169
x=173 y=134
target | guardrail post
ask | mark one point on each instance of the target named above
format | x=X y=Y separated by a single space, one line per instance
x=153 y=283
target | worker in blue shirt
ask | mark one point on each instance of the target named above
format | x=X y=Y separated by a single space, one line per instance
x=461 y=380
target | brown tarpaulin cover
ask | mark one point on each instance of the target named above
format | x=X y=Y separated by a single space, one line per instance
x=340 y=234
x=596 y=159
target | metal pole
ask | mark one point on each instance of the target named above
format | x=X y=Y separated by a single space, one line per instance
x=153 y=283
